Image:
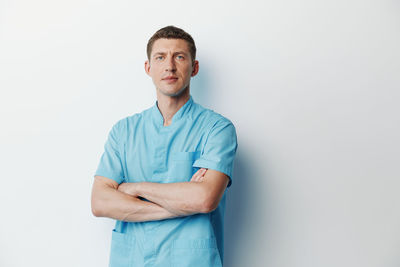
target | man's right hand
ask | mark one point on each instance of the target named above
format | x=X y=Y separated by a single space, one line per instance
x=199 y=175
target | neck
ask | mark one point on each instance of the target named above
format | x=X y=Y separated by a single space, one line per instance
x=169 y=105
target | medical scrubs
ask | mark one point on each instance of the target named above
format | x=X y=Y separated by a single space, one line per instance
x=139 y=148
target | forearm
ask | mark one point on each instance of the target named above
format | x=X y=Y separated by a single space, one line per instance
x=111 y=203
x=185 y=198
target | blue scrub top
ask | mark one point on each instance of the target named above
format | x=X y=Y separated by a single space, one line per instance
x=139 y=148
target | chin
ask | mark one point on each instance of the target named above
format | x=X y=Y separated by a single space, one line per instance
x=173 y=93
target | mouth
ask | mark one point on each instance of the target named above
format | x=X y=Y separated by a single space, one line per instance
x=170 y=79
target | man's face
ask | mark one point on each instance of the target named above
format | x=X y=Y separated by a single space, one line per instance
x=170 y=66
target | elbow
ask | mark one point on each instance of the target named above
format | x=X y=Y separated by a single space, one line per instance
x=200 y=201
x=97 y=210
x=199 y=204
x=208 y=204
x=99 y=198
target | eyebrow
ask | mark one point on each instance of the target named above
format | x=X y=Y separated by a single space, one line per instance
x=163 y=53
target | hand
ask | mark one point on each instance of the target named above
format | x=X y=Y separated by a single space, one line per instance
x=129 y=188
x=199 y=175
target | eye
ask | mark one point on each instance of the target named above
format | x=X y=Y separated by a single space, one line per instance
x=159 y=57
x=180 y=57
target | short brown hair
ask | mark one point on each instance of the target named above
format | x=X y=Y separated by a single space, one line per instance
x=172 y=32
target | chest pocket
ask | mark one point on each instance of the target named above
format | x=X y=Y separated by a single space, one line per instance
x=181 y=168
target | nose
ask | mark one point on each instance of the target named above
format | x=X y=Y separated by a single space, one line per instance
x=170 y=64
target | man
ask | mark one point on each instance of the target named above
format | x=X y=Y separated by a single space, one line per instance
x=164 y=171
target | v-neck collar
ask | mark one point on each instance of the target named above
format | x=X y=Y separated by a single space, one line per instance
x=180 y=114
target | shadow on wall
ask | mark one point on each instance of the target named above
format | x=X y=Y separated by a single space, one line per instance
x=200 y=88
x=243 y=196
x=241 y=209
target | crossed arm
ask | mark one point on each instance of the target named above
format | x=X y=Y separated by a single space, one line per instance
x=121 y=202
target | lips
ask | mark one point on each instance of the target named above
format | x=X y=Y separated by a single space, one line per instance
x=170 y=78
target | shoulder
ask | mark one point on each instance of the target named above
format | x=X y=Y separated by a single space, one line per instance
x=128 y=123
x=212 y=118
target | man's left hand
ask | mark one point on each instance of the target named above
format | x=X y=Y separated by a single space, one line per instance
x=129 y=188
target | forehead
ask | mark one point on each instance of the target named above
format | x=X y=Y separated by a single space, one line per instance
x=164 y=45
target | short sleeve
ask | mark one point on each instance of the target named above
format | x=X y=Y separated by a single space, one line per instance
x=220 y=149
x=110 y=165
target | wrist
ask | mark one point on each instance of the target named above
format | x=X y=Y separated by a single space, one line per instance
x=139 y=189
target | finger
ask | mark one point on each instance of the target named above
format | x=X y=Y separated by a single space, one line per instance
x=196 y=176
x=202 y=171
x=200 y=176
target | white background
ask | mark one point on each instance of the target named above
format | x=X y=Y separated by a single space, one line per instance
x=311 y=86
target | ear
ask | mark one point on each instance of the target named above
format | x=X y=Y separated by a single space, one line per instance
x=147 y=67
x=195 y=68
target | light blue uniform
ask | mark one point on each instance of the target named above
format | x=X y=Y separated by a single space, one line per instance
x=139 y=148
